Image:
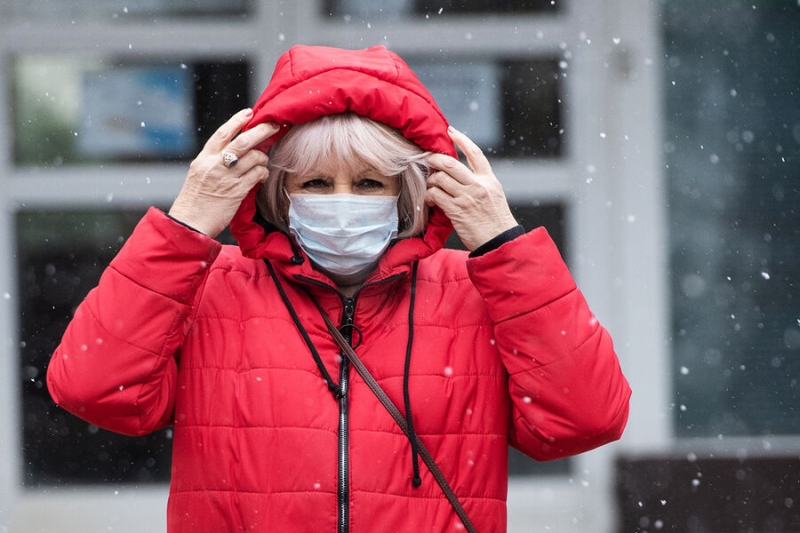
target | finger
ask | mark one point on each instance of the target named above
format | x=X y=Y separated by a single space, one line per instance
x=435 y=196
x=228 y=131
x=444 y=182
x=450 y=166
x=251 y=138
x=475 y=157
x=250 y=159
x=257 y=174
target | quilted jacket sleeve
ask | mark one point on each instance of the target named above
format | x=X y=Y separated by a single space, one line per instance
x=567 y=390
x=116 y=365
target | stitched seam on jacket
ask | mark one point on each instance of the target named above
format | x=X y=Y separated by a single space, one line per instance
x=435 y=497
x=437 y=283
x=456 y=329
x=471 y=434
x=290 y=492
x=544 y=305
x=460 y=375
x=253 y=426
x=115 y=337
x=241 y=491
x=571 y=353
x=149 y=289
x=395 y=431
x=312 y=371
x=233 y=269
x=534 y=430
x=207 y=317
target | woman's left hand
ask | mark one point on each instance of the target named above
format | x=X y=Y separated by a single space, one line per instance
x=470 y=196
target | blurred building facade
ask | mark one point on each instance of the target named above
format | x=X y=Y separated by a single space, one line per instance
x=657 y=141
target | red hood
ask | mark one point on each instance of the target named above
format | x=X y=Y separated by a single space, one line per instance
x=312 y=81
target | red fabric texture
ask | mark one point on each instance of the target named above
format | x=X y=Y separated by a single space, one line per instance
x=183 y=331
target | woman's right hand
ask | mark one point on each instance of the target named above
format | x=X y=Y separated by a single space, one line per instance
x=212 y=191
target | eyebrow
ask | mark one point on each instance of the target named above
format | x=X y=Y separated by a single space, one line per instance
x=371 y=173
x=366 y=173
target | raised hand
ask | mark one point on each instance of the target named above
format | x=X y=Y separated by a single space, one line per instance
x=471 y=196
x=223 y=173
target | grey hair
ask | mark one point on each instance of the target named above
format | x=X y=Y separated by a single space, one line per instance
x=356 y=142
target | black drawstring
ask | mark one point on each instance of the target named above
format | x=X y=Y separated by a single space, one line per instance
x=412 y=436
x=335 y=389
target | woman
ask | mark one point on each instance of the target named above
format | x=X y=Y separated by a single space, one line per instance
x=273 y=430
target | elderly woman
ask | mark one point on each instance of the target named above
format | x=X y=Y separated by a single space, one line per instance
x=344 y=221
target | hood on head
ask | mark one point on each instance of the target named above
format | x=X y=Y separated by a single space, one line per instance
x=313 y=81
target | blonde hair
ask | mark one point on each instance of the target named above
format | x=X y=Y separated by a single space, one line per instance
x=356 y=142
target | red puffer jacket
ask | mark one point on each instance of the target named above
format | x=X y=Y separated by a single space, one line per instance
x=183 y=331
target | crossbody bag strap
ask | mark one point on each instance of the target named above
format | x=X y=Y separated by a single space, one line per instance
x=399 y=418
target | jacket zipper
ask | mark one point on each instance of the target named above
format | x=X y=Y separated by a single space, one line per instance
x=348 y=319
x=344 y=434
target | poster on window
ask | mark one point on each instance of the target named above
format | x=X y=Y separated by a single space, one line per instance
x=378 y=8
x=136 y=112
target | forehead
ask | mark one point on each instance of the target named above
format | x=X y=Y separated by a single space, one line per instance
x=332 y=170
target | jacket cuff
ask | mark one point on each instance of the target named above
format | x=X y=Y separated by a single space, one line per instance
x=184 y=224
x=507 y=236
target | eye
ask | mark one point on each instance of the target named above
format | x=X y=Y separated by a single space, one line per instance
x=314 y=184
x=370 y=184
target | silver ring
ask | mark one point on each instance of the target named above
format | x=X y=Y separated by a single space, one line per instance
x=229 y=159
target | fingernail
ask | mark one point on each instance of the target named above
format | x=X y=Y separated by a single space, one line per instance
x=248 y=112
x=451 y=129
x=275 y=126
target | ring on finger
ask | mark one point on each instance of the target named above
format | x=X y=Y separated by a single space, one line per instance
x=229 y=159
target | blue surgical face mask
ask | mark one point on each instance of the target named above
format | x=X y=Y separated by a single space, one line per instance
x=344 y=234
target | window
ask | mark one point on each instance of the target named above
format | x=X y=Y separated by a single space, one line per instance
x=511 y=108
x=61 y=255
x=120 y=10
x=448 y=7
x=73 y=109
x=733 y=154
